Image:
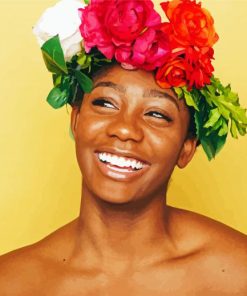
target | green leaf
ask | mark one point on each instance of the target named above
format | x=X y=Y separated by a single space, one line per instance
x=208 y=149
x=197 y=124
x=238 y=113
x=224 y=129
x=85 y=82
x=205 y=141
x=220 y=143
x=217 y=125
x=211 y=142
x=53 y=56
x=207 y=97
x=241 y=128
x=57 y=78
x=212 y=145
x=214 y=115
x=57 y=98
x=223 y=111
x=82 y=59
x=179 y=92
x=189 y=99
x=86 y=2
x=211 y=89
x=234 y=130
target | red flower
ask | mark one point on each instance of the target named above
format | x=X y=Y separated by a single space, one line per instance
x=199 y=66
x=191 y=25
x=192 y=68
x=172 y=74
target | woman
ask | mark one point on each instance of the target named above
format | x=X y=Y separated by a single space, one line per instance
x=130 y=133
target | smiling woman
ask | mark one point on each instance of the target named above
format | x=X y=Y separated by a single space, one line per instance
x=134 y=119
x=124 y=120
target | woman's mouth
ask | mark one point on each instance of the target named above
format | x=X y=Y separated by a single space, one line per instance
x=119 y=167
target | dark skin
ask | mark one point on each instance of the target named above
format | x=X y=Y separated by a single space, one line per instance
x=127 y=241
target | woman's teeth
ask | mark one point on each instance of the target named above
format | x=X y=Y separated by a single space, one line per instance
x=120 y=161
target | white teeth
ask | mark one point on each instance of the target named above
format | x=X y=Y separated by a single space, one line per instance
x=133 y=164
x=120 y=161
x=103 y=156
x=107 y=158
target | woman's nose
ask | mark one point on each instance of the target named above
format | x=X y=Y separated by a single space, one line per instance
x=125 y=127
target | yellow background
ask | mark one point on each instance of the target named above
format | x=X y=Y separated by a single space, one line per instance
x=40 y=181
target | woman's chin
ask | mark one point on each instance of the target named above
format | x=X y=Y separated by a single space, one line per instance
x=118 y=198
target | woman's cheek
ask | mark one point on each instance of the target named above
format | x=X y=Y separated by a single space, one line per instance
x=169 y=138
x=91 y=127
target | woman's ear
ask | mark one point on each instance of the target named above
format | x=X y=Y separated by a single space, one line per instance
x=187 y=152
x=75 y=113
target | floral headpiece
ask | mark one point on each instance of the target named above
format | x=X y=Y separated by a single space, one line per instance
x=79 y=38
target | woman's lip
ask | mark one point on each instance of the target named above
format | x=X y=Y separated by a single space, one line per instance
x=115 y=172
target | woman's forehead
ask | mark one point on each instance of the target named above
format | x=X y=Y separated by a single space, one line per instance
x=123 y=80
x=134 y=83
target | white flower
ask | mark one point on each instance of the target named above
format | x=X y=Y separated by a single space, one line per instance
x=62 y=19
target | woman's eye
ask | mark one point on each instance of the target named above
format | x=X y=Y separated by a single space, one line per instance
x=103 y=103
x=159 y=115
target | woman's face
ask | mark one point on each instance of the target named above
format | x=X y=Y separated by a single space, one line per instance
x=129 y=135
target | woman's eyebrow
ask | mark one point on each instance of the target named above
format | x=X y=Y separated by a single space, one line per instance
x=160 y=94
x=110 y=84
x=147 y=93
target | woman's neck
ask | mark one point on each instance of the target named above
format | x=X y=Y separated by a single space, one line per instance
x=133 y=233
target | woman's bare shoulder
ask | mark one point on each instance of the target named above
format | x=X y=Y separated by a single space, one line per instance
x=222 y=249
x=19 y=271
x=29 y=267
x=213 y=234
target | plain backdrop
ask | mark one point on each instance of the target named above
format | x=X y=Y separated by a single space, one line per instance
x=40 y=182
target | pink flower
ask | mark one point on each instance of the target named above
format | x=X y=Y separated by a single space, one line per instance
x=92 y=29
x=128 y=19
x=116 y=24
x=150 y=50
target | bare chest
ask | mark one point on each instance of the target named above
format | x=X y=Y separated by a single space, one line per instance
x=176 y=282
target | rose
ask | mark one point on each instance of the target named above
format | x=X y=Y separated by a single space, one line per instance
x=172 y=73
x=150 y=50
x=191 y=24
x=193 y=69
x=62 y=19
x=116 y=24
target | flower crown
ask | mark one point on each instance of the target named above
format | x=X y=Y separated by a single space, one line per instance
x=79 y=38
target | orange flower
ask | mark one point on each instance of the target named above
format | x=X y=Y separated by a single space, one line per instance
x=172 y=74
x=190 y=23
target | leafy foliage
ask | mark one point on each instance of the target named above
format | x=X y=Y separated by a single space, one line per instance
x=217 y=111
x=68 y=77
